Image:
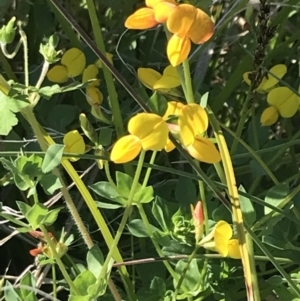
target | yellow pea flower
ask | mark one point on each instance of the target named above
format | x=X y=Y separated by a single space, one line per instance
x=198 y=220
x=74 y=143
x=109 y=56
x=220 y=239
x=188 y=24
x=269 y=116
x=147 y=131
x=156 y=81
x=72 y=64
x=269 y=81
x=91 y=72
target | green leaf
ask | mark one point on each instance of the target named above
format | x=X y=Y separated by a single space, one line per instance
x=124 y=183
x=10 y=292
x=83 y=281
x=9 y=217
x=108 y=206
x=247 y=208
x=107 y=191
x=185 y=191
x=51 y=216
x=53 y=157
x=50 y=183
x=137 y=228
x=8 y=107
x=162 y=238
x=159 y=215
x=144 y=195
x=36 y=215
x=158 y=104
x=276 y=195
x=29 y=281
x=23 y=207
x=158 y=285
x=105 y=136
x=95 y=260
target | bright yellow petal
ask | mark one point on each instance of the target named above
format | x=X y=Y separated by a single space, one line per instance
x=94 y=96
x=58 y=74
x=170 y=79
x=181 y=19
x=202 y=28
x=269 y=116
x=143 y=18
x=233 y=249
x=174 y=108
x=192 y=121
x=204 y=150
x=223 y=233
x=178 y=49
x=74 y=144
x=126 y=149
x=169 y=146
x=74 y=60
x=151 y=129
x=91 y=72
x=148 y=77
x=163 y=10
x=285 y=101
x=153 y=3
x=278 y=70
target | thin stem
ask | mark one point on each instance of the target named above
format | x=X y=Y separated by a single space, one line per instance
x=149 y=169
x=54 y=281
x=191 y=257
x=58 y=261
x=25 y=49
x=188 y=82
x=14 y=53
x=125 y=217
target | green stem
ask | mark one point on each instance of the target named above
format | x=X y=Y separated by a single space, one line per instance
x=7 y=68
x=58 y=261
x=188 y=82
x=14 y=53
x=149 y=169
x=191 y=257
x=54 y=281
x=25 y=49
x=126 y=215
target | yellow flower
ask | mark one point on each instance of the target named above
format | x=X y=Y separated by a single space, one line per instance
x=91 y=72
x=145 y=17
x=198 y=220
x=72 y=64
x=188 y=24
x=156 y=81
x=74 y=143
x=147 y=131
x=220 y=239
x=109 y=56
x=269 y=81
x=191 y=124
x=269 y=116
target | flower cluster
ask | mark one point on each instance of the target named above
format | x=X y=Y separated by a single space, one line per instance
x=149 y=131
x=186 y=23
x=282 y=100
x=219 y=239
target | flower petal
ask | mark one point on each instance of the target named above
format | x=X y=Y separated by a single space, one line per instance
x=170 y=79
x=58 y=74
x=74 y=143
x=163 y=10
x=148 y=77
x=202 y=28
x=151 y=129
x=285 y=101
x=143 y=18
x=269 y=116
x=94 y=96
x=178 y=49
x=109 y=56
x=169 y=146
x=278 y=70
x=74 y=60
x=223 y=233
x=204 y=150
x=153 y=3
x=91 y=72
x=126 y=149
x=174 y=108
x=234 y=249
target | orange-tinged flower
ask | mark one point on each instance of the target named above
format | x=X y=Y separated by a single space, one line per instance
x=198 y=219
x=74 y=143
x=204 y=150
x=188 y=24
x=126 y=149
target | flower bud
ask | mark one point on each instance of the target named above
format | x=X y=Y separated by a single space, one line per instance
x=198 y=220
x=8 y=32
